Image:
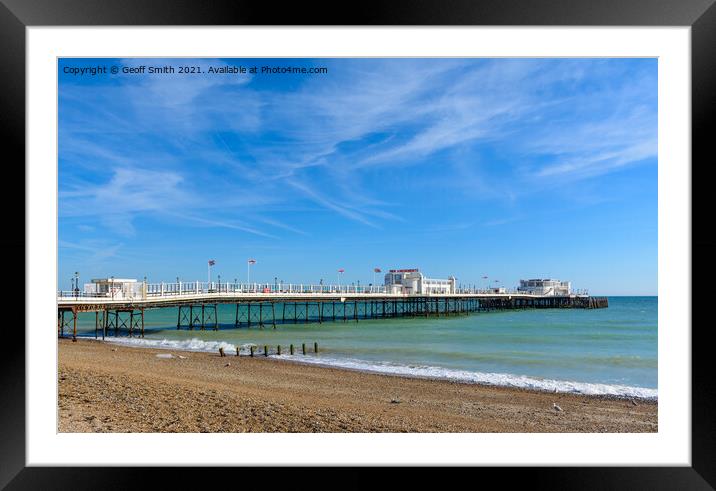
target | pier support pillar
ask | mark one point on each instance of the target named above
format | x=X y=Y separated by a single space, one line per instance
x=74 y=325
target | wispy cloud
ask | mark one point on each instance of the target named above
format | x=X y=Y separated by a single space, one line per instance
x=94 y=252
x=157 y=195
x=331 y=205
x=593 y=149
x=355 y=144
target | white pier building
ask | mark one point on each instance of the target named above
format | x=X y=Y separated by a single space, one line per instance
x=115 y=288
x=413 y=282
x=545 y=287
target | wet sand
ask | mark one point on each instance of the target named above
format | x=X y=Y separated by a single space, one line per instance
x=111 y=388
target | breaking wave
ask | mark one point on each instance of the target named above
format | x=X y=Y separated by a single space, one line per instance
x=420 y=371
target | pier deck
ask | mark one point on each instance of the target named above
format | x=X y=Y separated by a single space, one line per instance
x=197 y=308
x=90 y=304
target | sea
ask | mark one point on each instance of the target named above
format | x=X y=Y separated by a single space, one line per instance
x=611 y=351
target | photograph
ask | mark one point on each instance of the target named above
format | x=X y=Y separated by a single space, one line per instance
x=357 y=245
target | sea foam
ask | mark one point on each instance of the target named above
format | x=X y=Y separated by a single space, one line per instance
x=182 y=345
x=419 y=371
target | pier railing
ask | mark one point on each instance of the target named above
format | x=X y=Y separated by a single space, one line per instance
x=193 y=288
x=183 y=288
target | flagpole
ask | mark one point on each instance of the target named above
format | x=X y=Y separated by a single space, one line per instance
x=248 y=272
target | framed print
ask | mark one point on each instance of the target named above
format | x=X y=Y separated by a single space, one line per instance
x=414 y=236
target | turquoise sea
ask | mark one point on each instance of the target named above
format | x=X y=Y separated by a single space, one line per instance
x=600 y=351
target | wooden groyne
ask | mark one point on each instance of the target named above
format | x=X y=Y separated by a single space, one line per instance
x=267 y=350
x=117 y=318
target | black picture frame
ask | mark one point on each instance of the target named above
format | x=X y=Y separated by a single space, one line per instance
x=700 y=15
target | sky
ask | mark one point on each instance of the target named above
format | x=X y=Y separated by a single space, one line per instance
x=505 y=168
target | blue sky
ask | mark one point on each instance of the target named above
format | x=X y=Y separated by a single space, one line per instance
x=506 y=168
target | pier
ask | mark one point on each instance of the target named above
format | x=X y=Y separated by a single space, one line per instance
x=266 y=305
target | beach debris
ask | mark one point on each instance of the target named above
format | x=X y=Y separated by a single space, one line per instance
x=164 y=355
x=228 y=365
x=182 y=357
x=114 y=349
x=395 y=400
x=556 y=407
x=634 y=402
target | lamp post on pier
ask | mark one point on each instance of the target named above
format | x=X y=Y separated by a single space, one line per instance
x=340 y=272
x=248 y=270
x=210 y=263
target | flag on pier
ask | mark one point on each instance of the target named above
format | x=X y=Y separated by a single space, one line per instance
x=341 y=270
x=211 y=262
x=252 y=261
x=376 y=270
